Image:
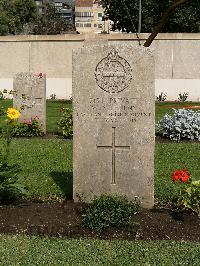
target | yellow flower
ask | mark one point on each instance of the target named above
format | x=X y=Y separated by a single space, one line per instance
x=13 y=113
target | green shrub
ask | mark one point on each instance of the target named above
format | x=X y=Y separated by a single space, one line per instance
x=29 y=128
x=2 y=111
x=109 y=211
x=161 y=97
x=1 y=96
x=66 y=123
x=183 y=97
x=10 y=189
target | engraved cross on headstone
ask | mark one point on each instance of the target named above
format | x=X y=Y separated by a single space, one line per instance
x=113 y=147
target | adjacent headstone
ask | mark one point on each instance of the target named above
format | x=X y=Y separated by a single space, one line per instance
x=30 y=96
x=113 y=101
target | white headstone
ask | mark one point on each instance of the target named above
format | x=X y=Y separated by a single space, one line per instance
x=113 y=114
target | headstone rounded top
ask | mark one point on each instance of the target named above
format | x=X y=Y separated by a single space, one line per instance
x=113 y=73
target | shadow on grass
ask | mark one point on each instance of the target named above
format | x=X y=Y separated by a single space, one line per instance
x=65 y=181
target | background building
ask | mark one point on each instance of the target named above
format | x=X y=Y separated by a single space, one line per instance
x=89 y=17
x=64 y=7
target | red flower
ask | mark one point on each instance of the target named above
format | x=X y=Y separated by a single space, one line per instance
x=40 y=75
x=184 y=176
x=176 y=175
x=181 y=175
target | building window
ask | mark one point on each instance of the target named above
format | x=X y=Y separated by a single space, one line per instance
x=58 y=4
x=100 y=15
x=87 y=25
x=79 y=25
x=83 y=14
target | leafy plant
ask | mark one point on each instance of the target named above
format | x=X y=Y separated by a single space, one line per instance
x=1 y=95
x=109 y=211
x=29 y=128
x=189 y=190
x=183 y=97
x=66 y=122
x=9 y=187
x=183 y=124
x=2 y=111
x=53 y=96
x=161 y=97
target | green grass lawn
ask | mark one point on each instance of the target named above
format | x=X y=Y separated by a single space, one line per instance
x=54 y=113
x=47 y=165
x=20 y=250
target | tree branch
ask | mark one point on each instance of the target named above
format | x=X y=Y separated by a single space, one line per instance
x=163 y=21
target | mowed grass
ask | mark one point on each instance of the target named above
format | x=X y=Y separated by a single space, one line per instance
x=21 y=250
x=46 y=165
x=54 y=114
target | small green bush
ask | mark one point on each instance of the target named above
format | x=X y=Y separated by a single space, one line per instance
x=161 y=97
x=1 y=96
x=10 y=189
x=183 y=97
x=29 y=128
x=66 y=123
x=109 y=211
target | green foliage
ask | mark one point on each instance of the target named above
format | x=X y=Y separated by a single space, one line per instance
x=190 y=196
x=183 y=97
x=50 y=22
x=10 y=189
x=15 y=14
x=124 y=14
x=2 y=111
x=4 y=23
x=109 y=211
x=29 y=128
x=66 y=123
x=161 y=97
x=25 y=10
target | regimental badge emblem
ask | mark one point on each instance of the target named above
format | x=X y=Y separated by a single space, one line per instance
x=113 y=73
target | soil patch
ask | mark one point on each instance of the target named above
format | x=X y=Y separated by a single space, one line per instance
x=64 y=220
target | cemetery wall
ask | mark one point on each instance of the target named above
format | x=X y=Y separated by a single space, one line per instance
x=177 y=60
